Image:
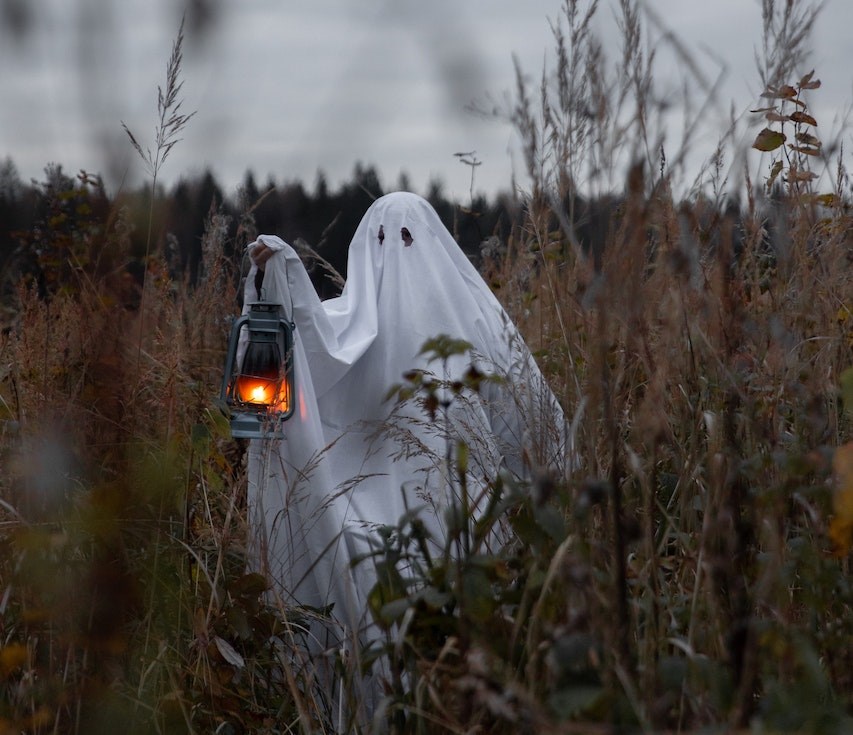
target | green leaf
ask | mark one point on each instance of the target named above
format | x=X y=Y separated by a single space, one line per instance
x=442 y=347
x=847 y=390
x=769 y=140
x=391 y=612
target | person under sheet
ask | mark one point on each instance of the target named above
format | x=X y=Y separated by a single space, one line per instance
x=350 y=460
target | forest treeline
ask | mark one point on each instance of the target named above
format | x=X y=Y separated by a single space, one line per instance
x=45 y=226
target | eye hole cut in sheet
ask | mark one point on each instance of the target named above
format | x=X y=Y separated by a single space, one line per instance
x=405 y=236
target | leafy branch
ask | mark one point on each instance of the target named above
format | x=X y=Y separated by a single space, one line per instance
x=805 y=143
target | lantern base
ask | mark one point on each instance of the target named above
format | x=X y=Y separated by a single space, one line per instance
x=249 y=426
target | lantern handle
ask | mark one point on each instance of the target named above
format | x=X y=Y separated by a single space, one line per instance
x=236 y=326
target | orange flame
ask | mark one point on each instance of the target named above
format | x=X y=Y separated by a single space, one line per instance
x=263 y=392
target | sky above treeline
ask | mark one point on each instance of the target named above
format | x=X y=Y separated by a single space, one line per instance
x=288 y=89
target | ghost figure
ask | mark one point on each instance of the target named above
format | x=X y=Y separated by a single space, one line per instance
x=351 y=460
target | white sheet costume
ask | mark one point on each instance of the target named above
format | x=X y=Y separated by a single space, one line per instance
x=352 y=460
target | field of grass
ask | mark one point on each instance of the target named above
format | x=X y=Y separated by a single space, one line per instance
x=690 y=573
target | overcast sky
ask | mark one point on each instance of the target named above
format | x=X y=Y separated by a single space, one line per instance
x=287 y=88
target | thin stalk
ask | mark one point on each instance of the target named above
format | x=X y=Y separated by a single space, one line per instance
x=170 y=123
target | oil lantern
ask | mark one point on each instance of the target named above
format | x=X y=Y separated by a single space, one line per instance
x=257 y=384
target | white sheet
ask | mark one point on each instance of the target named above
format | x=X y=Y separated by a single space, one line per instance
x=316 y=496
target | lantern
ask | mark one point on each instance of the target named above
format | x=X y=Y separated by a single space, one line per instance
x=257 y=384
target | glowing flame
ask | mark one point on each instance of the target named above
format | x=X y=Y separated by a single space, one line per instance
x=263 y=392
x=258 y=394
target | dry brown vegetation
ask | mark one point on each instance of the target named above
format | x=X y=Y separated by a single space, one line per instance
x=691 y=571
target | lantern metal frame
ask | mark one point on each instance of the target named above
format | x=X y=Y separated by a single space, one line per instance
x=273 y=336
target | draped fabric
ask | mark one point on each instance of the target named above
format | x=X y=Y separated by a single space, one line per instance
x=351 y=460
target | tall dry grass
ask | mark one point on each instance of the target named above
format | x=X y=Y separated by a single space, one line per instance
x=688 y=573
x=709 y=349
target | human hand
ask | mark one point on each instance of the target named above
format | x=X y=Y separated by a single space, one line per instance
x=260 y=254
